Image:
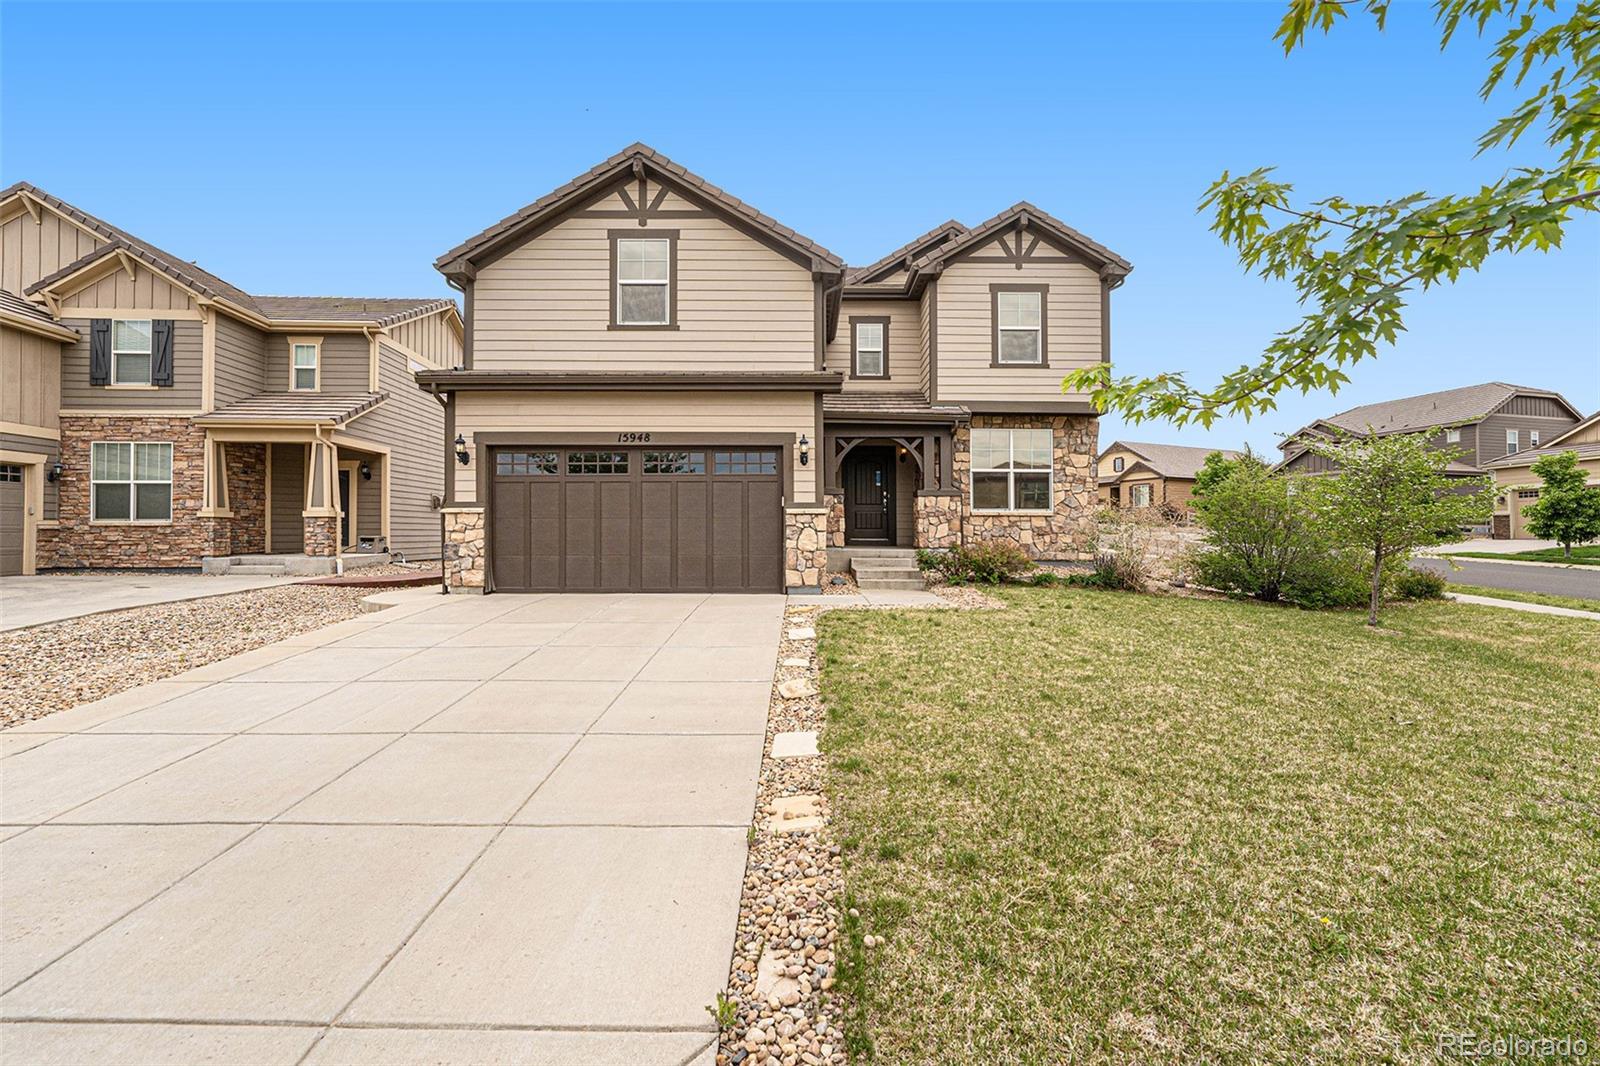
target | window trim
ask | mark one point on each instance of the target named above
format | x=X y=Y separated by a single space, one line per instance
x=316 y=343
x=1533 y=438
x=133 y=496
x=149 y=353
x=1134 y=494
x=1513 y=441
x=1452 y=436
x=1118 y=464
x=857 y=321
x=1043 y=292
x=646 y=234
x=1011 y=480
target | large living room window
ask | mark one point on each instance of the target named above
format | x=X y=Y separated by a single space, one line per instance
x=130 y=351
x=130 y=482
x=1019 y=325
x=643 y=280
x=1011 y=469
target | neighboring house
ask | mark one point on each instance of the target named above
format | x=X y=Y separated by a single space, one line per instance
x=1520 y=486
x=1476 y=423
x=1133 y=474
x=155 y=416
x=664 y=389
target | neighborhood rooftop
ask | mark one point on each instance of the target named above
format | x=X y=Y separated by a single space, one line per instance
x=1172 y=460
x=1432 y=408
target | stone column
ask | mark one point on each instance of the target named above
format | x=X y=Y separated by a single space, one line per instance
x=805 y=540
x=464 y=560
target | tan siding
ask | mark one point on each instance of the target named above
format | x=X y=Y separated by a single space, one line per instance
x=639 y=412
x=288 y=497
x=546 y=305
x=966 y=330
x=432 y=337
x=346 y=360
x=241 y=360
x=1105 y=466
x=905 y=345
x=183 y=395
x=146 y=289
x=930 y=296
x=32 y=250
x=30 y=379
x=411 y=424
x=1589 y=434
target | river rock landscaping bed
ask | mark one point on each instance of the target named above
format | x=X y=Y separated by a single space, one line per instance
x=52 y=667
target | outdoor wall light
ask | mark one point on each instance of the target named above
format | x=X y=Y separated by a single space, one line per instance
x=902 y=455
x=805 y=450
x=462 y=455
x=55 y=472
x=366 y=471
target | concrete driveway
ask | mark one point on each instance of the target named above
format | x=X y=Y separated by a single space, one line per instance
x=506 y=828
x=41 y=598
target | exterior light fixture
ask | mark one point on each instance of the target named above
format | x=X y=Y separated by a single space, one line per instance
x=902 y=455
x=462 y=455
x=56 y=470
x=366 y=471
x=805 y=450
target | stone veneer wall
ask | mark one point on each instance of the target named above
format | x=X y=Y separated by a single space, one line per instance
x=247 y=498
x=321 y=534
x=76 y=542
x=1068 y=532
x=463 y=548
x=835 y=502
x=938 y=520
x=805 y=541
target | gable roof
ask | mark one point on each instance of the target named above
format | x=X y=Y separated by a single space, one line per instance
x=903 y=255
x=20 y=314
x=1027 y=215
x=1555 y=446
x=1575 y=430
x=598 y=179
x=1470 y=403
x=1170 y=460
x=208 y=285
x=322 y=408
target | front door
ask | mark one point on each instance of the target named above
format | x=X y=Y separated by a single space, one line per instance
x=869 y=496
x=344 y=508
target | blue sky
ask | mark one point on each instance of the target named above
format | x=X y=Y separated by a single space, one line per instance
x=338 y=149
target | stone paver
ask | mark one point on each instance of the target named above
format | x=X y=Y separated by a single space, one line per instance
x=794 y=745
x=479 y=829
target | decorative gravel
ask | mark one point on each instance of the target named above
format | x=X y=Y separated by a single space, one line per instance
x=53 y=667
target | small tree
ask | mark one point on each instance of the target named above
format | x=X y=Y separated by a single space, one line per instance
x=1391 y=497
x=1214 y=471
x=1568 y=509
x=1259 y=538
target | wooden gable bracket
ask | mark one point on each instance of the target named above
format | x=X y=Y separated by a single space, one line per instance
x=31 y=204
x=127 y=262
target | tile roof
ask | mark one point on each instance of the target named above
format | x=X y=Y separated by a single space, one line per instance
x=1466 y=404
x=203 y=281
x=382 y=310
x=880 y=405
x=1037 y=217
x=937 y=234
x=1528 y=456
x=17 y=307
x=1172 y=460
x=613 y=167
x=319 y=407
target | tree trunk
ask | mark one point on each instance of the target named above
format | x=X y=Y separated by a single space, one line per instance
x=1377 y=590
x=1566 y=549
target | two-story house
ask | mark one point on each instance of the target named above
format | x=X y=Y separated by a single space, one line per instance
x=1476 y=423
x=1136 y=474
x=154 y=416
x=663 y=388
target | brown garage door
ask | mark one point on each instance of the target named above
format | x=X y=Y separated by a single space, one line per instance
x=636 y=519
x=11 y=519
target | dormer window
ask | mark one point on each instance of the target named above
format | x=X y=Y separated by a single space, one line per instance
x=305 y=364
x=644 y=275
x=1019 y=325
x=869 y=346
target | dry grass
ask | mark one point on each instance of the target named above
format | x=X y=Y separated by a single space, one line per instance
x=1548 y=599
x=1100 y=827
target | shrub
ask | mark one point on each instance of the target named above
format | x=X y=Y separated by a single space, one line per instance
x=988 y=562
x=1261 y=540
x=1419 y=585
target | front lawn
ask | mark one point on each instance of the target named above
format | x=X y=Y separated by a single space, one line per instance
x=1589 y=556
x=1113 y=828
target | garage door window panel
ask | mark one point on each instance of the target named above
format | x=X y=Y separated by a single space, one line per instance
x=582 y=463
x=526 y=464
x=668 y=464
x=758 y=462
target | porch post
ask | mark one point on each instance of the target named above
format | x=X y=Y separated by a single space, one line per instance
x=321 y=515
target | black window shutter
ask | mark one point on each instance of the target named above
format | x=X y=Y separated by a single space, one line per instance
x=100 y=351
x=161 y=352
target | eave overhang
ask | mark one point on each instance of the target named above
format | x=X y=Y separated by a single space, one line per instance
x=446 y=381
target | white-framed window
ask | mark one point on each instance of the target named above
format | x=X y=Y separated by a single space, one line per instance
x=644 y=281
x=1011 y=470
x=130 y=482
x=1452 y=436
x=131 y=351
x=1533 y=438
x=1139 y=495
x=305 y=364
x=1511 y=441
x=1117 y=464
x=870 y=347
x=1019 y=327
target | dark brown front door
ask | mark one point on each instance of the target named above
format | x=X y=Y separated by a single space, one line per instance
x=686 y=519
x=344 y=509
x=869 y=496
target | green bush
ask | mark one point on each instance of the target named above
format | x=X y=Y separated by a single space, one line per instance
x=989 y=562
x=1419 y=585
x=1262 y=541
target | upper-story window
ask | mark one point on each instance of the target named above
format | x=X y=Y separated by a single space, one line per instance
x=1511 y=441
x=131 y=351
x=1019 y=325
x=869 y=346
x=305 y=364
x=1117 y=464
x=1533 y=438
x=1452 y=436
x=644 y=279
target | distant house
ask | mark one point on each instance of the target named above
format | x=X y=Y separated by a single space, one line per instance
x=1479 y=423
x=1134 y=474
x=1520 y=486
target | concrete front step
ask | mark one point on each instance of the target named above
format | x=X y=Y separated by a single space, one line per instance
x=259 y=571
x=890 y=583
